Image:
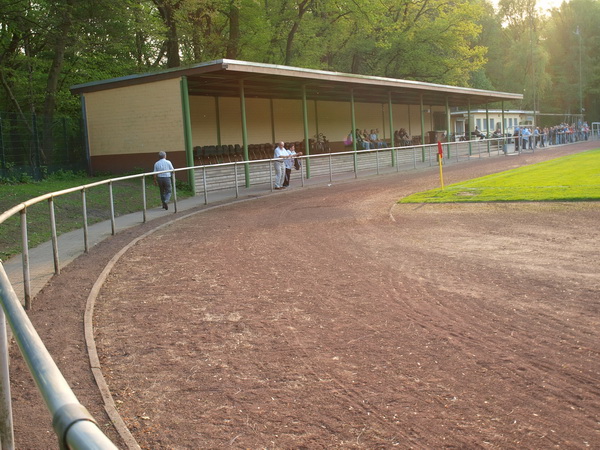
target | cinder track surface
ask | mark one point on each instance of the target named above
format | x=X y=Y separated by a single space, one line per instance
x=333 y=317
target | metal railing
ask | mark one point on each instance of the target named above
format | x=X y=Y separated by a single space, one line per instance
x=74 y=426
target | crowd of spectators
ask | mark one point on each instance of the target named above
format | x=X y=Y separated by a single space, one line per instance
x=366 y=140
x=528 y=137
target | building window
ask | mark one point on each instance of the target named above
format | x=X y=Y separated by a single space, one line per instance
x=491 y=128
x=478 y=124
x=509 y=122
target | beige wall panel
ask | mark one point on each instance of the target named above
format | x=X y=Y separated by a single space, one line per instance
x=289 y=122
x=335 y=120
x=137 y=119
x=231 y=121
x=369 y=115
x=258 y=120
x=203 y=116
x=287 y=119
x=401 y=120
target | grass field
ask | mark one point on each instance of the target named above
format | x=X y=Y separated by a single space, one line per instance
x=68 y=208
x=570 y=178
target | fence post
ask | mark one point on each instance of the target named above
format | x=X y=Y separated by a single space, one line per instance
x=36 y=146
x=66 y=140
x=54 y=236
x=3 y=155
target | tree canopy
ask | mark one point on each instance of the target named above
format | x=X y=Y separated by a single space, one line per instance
x=553 y=59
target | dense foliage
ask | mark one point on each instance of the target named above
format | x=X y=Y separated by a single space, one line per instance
x=48 y=45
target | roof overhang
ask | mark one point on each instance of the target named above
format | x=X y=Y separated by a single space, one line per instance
x=223 y=78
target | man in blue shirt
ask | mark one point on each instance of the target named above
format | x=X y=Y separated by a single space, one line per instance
x=163 y=180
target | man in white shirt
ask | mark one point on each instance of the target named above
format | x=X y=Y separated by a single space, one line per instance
x=163 y=180
x=280 y=152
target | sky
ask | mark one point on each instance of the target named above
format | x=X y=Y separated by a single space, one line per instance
x=544 y=5
x=548 y=4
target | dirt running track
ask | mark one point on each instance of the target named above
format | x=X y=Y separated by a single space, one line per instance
x=332 y=317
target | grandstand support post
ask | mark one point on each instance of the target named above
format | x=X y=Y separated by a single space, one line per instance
x=393 y=144
x=353 y=116
x=272 y=109
x=54 y=236
x=448 y=126
x=316 y=117
x=469 y=127
x=422 y=128
x=487 y=119
x=244 y=132
x=305 y=123
x=25 y=257
x=218 y=119
x=503 y=130
x=7 y=438
x=187 y=132
x=86 y=137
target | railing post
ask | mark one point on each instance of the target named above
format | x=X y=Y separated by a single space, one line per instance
x=86 y=245
x=377 y=160
x=144 y=201
x=235 y=176
x=54 y=236
x=7 y=438
x=25 y=256
x=271 y=173
x=205 y=186
x=174 y=189
x=112 y=208
x=330 y=169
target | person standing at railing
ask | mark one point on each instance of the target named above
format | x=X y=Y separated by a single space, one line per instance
x=279 y=153
x=163 y=180
x=289 y=164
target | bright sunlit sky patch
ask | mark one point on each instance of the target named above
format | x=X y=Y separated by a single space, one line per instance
x=543 y=5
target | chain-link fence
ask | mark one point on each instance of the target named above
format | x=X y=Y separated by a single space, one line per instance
x=32 y=146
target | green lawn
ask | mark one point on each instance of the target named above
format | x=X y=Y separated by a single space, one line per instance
x=570 y=178
x=68 y=208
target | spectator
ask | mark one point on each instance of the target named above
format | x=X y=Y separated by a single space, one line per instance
x=163 y=180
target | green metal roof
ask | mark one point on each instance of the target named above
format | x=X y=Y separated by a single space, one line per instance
x=222 y=78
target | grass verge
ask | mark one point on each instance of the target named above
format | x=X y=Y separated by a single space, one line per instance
x=570 y=178
x=68 y=208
